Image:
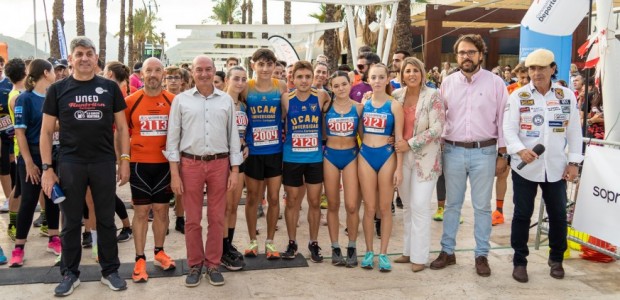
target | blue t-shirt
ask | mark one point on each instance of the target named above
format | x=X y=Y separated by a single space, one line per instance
x=29 y=115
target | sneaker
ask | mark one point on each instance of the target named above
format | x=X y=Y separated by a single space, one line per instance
x=164 y=261
x=151 y=217
x=57 y=260
x=125 y=235
x=368 y=261
x=180 y=225
x=5 y=207
x=3 y=259
x=114 y=282
x=438 y=216
x=323 y=219
x=315 y=252
x=399 y=202
x=351 y=261
x=384 y=263
x=271 y=252
x=39 y=221
x=215 y=277
x=17 y=258
x=497 y=218
x=393 y=208
x=291 y=250
x=231 y=262
x=232 y=249
x=252 y=249
x=12 y=232
x=194 y=276
x=337 y=259
x=323 y=201
x=43 y=231
x=54 y=246
x=378 y=227
x=66 y=286
x=261 y=211
x=139 y=271
x=87 y=240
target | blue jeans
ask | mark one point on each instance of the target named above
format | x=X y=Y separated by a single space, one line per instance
x=479 y=165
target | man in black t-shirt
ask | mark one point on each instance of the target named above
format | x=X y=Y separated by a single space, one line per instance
x=87 y=108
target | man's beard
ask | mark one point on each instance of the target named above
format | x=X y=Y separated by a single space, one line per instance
x=474 y=66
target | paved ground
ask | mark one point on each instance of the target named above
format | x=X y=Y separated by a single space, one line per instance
x=584 y=279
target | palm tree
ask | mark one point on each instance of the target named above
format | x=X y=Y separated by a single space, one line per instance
x=58 y=11
x=121 y=34
x=79 y=13
x=143 y=31
x=131 y=55
x=370 y=38
x=402 y=29
x=330 y=38
x=287 y=14
x=265 y=34
x=225 y=12
x=103 y=28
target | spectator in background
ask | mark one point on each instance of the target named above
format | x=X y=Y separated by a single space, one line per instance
x=135 y=82
x=445 y=71
x=219 y=80
x=364 y=62
x=231 y=62
x=278 y=71
x=522 y=78
x=397 y=61
x=4 y=81
x=574 y=71
x=595 y=121
x=187 y=80
x=283 y=75
x=60 y=68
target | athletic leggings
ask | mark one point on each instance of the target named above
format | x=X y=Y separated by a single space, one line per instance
x=119 y=207
x=30 y=198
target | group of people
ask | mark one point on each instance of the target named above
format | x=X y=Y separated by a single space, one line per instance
x=176 y=138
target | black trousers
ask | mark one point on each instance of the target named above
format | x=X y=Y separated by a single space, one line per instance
x=554 y=195
x=74 y=178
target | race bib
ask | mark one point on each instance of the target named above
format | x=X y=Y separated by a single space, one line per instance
x=241 y=119
x=5 y=123
x=264 y=136
x=374 y=122
x=341 y=126
x=153 y=125
x=305 y=142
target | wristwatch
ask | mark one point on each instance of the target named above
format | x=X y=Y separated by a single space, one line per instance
x=503 y=155
x=44 y=167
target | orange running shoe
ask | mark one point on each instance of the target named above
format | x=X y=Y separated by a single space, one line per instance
x=164 y=261
x=271 y=252
x=139 y=271
x=497 y=218
x=252 y=249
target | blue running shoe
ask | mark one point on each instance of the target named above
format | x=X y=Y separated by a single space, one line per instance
x=2 y=257
x=368 y=261
x=384 y=263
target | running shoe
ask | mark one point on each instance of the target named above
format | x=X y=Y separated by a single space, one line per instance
x=438 y=216
x=291 y=250
x=232 y=249
x=323 y=201
x=337 y=259
x=87 y=240
x=180 y=225
x=368 y=261
x=17 y=258
x=271 y=252
x=5 y=206
x=43 y=231
x=57 y=260
x=252 y=249
x=315 y=252
x=3 y=259
x=66 y=286
x=125 y=235
x=384 y=263
x=399 y=202
x=393 y=208
x=164 y=261
x=114 y=282
x=323 y=219
x=39 y=221
x=497 y=218
x=12 y=232
x=351 y=261
x=231 y=262
x=194 y=276
x=54 y=246
x=139 y=271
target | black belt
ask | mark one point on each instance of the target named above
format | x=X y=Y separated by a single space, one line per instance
x=204 y=157
x=470 y=145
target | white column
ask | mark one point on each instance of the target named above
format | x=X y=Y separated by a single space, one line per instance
x=381 y=30
x=348 y=10
x=388 y=43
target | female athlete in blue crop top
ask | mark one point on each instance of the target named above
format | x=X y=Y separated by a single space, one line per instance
x=382 y=117
x=342 y=124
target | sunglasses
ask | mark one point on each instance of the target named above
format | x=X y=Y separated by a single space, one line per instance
x=361 y=66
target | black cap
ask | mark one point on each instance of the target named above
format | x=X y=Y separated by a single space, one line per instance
x=137 y=67
x=60 y=63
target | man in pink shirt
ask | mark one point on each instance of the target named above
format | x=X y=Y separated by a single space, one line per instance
x=473 y=147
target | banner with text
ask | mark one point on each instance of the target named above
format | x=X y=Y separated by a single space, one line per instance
x=597 y=211
x=561 y=46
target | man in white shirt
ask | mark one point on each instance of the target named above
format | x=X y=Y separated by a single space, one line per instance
x=545 y=113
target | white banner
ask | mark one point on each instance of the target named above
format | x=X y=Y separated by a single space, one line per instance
x=598 y=202
x=283 y=49
x=555 y=17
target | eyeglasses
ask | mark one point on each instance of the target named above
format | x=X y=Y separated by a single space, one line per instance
x=361 y=66
x=469 y=53
x=170 y=78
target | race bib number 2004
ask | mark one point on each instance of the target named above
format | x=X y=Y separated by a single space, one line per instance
x=264 y=136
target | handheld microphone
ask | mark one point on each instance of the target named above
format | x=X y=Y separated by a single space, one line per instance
x=538 y=149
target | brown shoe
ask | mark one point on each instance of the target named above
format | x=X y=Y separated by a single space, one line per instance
x=402 y=260
x=557 y=271
x=417 y=267
x=443 y=260
x=482 y=266
x=519 y=273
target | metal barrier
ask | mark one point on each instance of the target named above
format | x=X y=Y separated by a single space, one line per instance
x=574 y=236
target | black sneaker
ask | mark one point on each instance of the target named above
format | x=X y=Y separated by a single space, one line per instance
x=378 y=227
x=66 y=286
x=151 y=217
x=114 y=282
x=337 y=259
x=194 y=276
x=315 y=252
x=215 y=277
x=231 y=262
x=125 y=235
x=291 y=250
x=393 y=208
x=180 y=225
x=261 y=211
x=399 y=202
x=234 y=251
x=87 y=240
x=351 y=261
x=39 y=221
